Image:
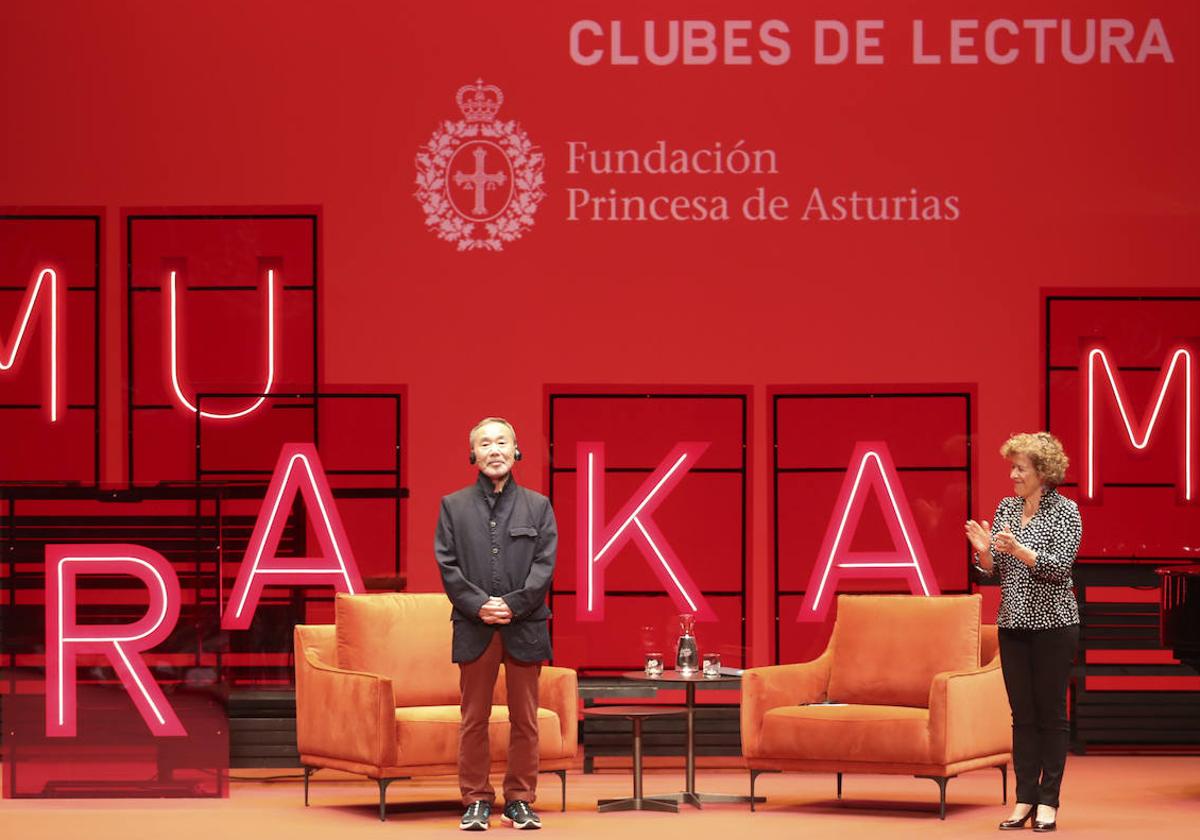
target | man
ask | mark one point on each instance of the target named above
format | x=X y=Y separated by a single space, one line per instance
x=496 y=544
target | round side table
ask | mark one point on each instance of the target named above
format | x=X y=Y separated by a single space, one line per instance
x=674 y=679
x=636 y=714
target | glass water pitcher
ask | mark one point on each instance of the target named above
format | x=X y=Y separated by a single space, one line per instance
x=687 y=657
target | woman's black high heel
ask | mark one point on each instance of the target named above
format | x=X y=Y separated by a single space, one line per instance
x=1015 y=825
x=1046 y=826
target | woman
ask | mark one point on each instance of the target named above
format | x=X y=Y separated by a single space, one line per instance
x=1031 y=545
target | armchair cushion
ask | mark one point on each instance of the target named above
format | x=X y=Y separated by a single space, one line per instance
x=417 y=661
x=893 y=734
x=887 y=648
x=429 y=734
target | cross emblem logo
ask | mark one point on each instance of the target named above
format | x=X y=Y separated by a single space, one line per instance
x=479 y=180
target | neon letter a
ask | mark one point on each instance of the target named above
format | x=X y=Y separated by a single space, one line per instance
x=870 y=466
x=298 y=469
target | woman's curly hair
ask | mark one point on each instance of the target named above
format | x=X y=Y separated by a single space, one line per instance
x=1044 y=450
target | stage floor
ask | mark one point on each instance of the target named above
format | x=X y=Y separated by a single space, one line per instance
x=1103 y=796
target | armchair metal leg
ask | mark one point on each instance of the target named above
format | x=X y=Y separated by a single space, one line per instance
x=839 y=785
x=754 y=774
x=383 y=786
x=562 y=777
x=308 y=771
x=1003 y=768
x=941 y=783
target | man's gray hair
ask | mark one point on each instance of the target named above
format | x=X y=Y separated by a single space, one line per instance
x=484 y=422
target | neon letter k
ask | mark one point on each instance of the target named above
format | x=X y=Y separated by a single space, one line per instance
x=597 y=543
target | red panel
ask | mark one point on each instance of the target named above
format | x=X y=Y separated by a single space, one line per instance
x=319 y=612
x=1130 y=325
x=1121 y=595
x=1118 y=683
x=355 y=434
x=165 y=446
x=114 y=755
x=640 y=431
x=1130 y=657
x=823 y=431
x=371 y=529
x=27 y=245
x=634 y=625
x=702 y=518
x=358 y=434
x=802 y=641
x=991 y=603
x=222 y=346
x=1132 y=521
x=252 y=442
x=1138 y=522
x=221 y=251
x=66 y=450
x=927 y=434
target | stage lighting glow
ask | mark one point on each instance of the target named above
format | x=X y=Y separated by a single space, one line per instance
x=336 y=567
x=1096 y=357
x=635 y=524
x=173 y=349
x=47 y=278
x=909 y=562
x=121 y=644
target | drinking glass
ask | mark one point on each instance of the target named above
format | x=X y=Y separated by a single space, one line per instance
x=654 y=664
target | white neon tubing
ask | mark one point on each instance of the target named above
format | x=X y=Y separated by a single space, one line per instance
x=141 y=687
x=842 y=526
x=664 y=563
x=874 y=566
x=590 y=530
x=270 y=524
x=116 y=640
x=12 y=354
x=1162 y=393
x=641 y=506
x=595 y=558
x=174 y=342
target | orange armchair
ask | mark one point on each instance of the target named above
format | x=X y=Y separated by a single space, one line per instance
x=907 y=685
x=377 y=694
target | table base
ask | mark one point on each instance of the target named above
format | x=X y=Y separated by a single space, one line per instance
x=656 y=803
x=697 y=800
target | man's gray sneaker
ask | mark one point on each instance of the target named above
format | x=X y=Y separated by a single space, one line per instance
x=518 y=814
x=476 y=816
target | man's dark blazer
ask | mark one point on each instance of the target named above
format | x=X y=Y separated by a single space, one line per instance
x=512 y=558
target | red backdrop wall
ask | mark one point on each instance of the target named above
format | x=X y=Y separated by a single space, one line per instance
x=1065 y=176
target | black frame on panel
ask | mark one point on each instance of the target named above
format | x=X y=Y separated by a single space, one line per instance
x=1135 y=718
x=776 y=471
x=94 y=289
x=743 y=471
x=1049 y=368
x=130 y=289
